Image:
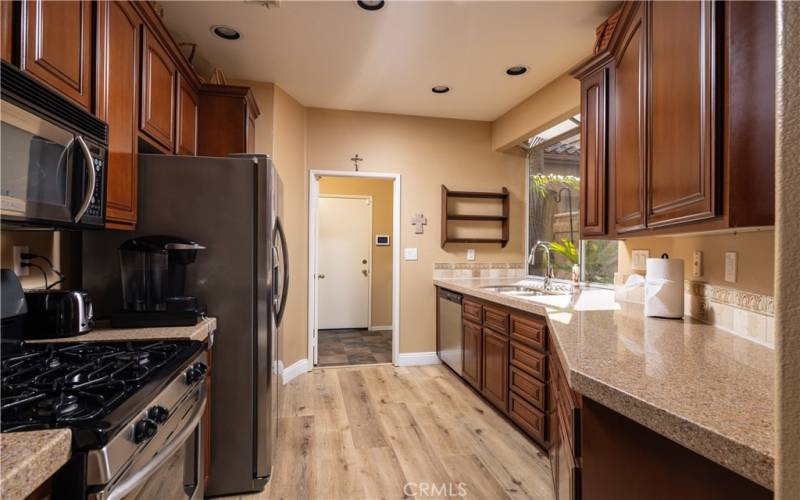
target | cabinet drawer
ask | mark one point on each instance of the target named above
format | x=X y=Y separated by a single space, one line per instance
x=529 y=331
x=528 y=359
x=496 y=319
x=528 y=387
x=530 y=419
x=472 y=311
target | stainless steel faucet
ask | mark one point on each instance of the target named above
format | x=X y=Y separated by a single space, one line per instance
x=548 y=273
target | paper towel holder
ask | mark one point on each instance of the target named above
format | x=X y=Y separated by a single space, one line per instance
x=665 y=255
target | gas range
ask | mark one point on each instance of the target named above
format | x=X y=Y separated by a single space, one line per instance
x=132 y=407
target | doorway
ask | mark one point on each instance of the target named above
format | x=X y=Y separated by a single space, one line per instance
x=353 y=312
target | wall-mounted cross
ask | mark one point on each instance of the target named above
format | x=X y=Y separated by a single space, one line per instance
x=418 y=221
x=355 y=160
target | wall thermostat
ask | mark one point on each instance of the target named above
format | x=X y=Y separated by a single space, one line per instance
x=382 y=240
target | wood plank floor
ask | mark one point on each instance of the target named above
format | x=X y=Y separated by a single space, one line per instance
x=367 y=432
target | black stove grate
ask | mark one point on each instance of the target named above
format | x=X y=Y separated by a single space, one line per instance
x=52 y=385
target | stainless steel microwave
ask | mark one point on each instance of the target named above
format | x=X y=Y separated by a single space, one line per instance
x=52 y=158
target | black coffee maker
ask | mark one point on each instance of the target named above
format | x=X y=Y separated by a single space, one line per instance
x=153 y=272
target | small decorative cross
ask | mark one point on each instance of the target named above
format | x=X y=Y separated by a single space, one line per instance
x=355 y=160
x=418 y=221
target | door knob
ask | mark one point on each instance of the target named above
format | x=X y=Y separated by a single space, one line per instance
x=364 y=272
x=363 y=261
x=322 y=276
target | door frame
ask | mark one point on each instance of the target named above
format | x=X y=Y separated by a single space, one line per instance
x=313 y=240
x=369 y=253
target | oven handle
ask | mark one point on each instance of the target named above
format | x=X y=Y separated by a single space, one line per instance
x=136 y=479
x=87 y=198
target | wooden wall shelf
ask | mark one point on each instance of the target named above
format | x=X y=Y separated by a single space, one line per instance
x=502 y=197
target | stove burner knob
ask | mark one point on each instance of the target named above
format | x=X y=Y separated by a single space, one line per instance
x=193 y=374
x=202 y=367
x=158 y=414
x=144 y=430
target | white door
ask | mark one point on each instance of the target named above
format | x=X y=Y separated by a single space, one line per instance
x=343 y=262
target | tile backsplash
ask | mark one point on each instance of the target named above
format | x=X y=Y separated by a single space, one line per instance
x=746 y=314
x=478 y=270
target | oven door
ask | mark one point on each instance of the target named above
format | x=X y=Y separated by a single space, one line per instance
x=171 y=465
x=48 y=171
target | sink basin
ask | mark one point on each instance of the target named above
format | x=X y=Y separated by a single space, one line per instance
x=525 y=291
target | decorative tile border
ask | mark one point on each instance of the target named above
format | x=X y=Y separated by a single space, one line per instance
x=743 y=313
x=478 y=270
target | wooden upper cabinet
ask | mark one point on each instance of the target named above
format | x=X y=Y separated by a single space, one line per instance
x=628 y=141
x=681 y=177
x=494 y=385
x=186 y=133
x=56 y=46
x=118 y=29
x=7 y=28
x=594 y=99
x=226 y=122
x=159 y=76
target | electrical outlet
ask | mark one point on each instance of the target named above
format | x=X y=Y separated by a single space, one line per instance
x=730 y=266
x=470 y=254
x=697 y=264
x=18 y=269
x=410 y=253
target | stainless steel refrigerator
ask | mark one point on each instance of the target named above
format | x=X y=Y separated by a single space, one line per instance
x=232 y=206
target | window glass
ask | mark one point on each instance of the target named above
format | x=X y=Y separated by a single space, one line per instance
x=554 y=186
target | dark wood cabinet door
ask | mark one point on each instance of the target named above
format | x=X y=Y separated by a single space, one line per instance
x=594 y=98
x=628 y=139
x=186 y=135
x=471 y=354
x=118 y=28
x=158 y=92
x=7 y=28
x=681 y=183
x=494 y=386
x=57 y=46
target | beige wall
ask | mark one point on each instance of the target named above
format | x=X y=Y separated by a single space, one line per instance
x=426 y=152
x=46 y=243
x=787 y=225
x=381 y=279
x=756 y=257
x=553 y=103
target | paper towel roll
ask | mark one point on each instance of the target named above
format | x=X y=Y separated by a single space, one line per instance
x=663 y=289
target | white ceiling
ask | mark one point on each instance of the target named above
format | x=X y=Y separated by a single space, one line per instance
x=335 y=55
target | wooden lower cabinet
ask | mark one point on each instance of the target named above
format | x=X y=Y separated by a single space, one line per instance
x=471 y=354
x=495 y=369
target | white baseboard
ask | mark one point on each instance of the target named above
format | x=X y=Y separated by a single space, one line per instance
x=380 y=328
x=299 y=367
x=417 y=358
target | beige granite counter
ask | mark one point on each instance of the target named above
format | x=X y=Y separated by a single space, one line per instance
x=704 y=388
x=28 y=459
x=104 y=333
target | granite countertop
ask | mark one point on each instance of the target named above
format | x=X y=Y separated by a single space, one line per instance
x=704 y=388
x=104 y=333
x=28 y=459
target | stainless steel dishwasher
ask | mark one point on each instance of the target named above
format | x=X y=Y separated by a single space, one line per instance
x=450 y=337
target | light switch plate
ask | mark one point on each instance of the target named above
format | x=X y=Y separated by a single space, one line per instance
x=731 y=259
x=410 y=253
x=470 y=254
x=697 y=264
x=639 y=260
x=18 y=269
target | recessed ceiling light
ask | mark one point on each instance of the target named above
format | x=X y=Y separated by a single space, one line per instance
x=440 y=89
x=226 y=32
x=371 y=4
x=516 y=70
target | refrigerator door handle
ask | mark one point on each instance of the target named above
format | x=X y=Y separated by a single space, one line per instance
x=285 y=292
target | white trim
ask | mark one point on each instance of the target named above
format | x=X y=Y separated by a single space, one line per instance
x=371 y=206
x=313 y=197
x=418 y=359
x=292 y=371
x=380 y=328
